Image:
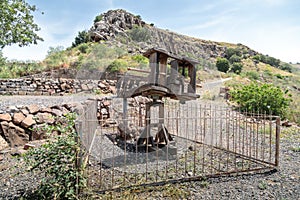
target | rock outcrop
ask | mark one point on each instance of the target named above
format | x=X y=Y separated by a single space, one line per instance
x=112 y=23
x=114 y=28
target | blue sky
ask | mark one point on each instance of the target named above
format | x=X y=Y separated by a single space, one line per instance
x=268 y=26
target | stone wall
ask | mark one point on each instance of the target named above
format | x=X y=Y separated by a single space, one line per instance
x=59 y=86
x=22 y=124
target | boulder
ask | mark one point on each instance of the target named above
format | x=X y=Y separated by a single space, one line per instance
x=15 y=135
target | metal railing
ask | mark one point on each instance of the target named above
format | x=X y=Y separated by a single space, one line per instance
x=209 y=141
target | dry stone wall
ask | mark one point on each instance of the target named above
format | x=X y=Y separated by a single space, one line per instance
x=22 y=124
x=59 y=86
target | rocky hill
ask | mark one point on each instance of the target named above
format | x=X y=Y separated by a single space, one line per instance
x=121 y=28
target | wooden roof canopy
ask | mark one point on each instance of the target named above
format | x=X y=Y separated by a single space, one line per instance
x=173 y=80
x=184 y=61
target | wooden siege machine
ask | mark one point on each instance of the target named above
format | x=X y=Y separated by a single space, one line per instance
x=161 y=83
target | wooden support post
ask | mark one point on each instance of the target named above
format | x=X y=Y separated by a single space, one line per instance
x=153 y=63
x=163 y=69
x=192 y=75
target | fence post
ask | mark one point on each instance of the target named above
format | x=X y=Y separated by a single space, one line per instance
x=277 y=141
x=78 y=126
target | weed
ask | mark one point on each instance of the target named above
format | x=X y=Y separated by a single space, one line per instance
x=58 y=160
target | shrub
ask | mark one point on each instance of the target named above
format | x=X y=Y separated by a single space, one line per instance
x=286 y=67
x=236 y=68
x=98 y=18
x=139 y=34
x=57 y=159
x=235 y=58
x=233 y=51
x=118 y=66
x=222 y=64
x=83 y=48
x=101 y=56
x=262 y=98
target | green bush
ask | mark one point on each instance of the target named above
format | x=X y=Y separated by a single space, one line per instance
x=16 y=69
x=222 y=64
x=58 y=160
x=98 y=18
x=252 y=75
x=83 y=48
x=119 y=66
x=233 y=51
x=262 y=98
x=234 y=58
x=267 y=60
x=286 y=67
x=236 y=68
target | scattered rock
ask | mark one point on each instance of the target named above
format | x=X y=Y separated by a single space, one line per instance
x=28 y=121
x=5 y=117
x=28 y=146
x=18 y=118
x=45 y=118
x=33 y=109
x=286 y=123
x=57 y=112
x=3 y=143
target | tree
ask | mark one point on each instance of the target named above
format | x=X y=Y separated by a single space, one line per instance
x=222 y=64
x=82 y=37
x=16 y=23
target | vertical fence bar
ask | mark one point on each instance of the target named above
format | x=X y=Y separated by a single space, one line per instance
x=277 y=141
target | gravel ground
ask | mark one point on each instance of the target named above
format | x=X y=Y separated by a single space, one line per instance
x=283 y=184
x=7 y=101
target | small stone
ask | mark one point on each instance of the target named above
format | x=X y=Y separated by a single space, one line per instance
x=13 y=109
x=102 y=86
x=5 y=117
x=28 y=146
x=84 y=87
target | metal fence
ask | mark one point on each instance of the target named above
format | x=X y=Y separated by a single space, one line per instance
x=209 y=141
